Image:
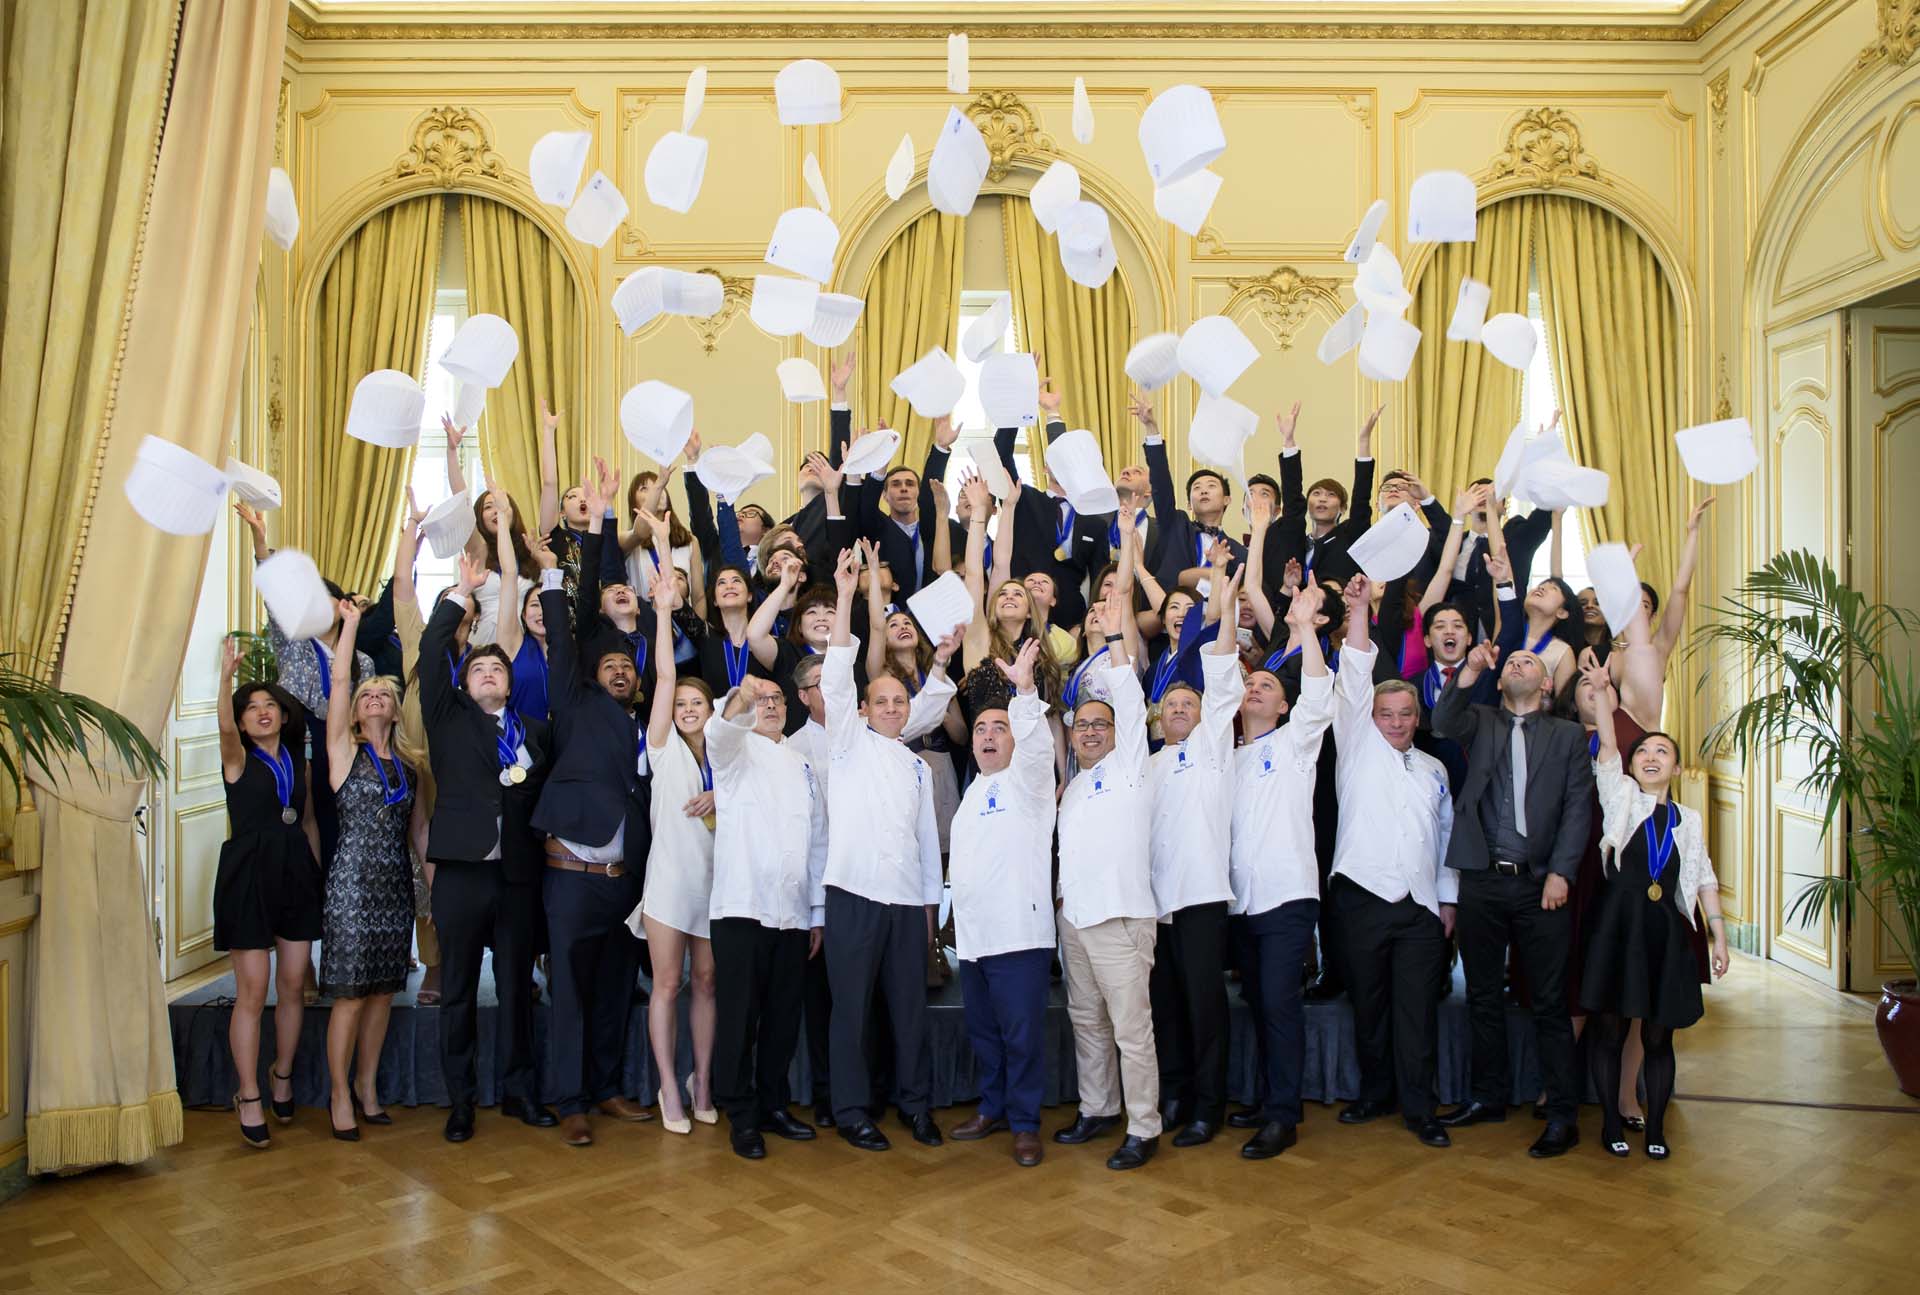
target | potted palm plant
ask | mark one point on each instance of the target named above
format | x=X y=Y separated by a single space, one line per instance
x=1833 y=674
x=45 y=726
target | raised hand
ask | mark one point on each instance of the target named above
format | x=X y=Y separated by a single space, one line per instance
x=473 y=574
x=846 y=573
x=666 y=594
x=1219 y=554
x=454 y=434
x=1363 y=447
x=1358 y=591
x=230 y=654
x=1049 y=394
x=828 y=476
x=948 y=645
x=542 y=550
x=1304 y=607
x=944 y=432
x=1699 y=511
x=549 y=418
x=349 y=621
x=789 y=569
x=841 y=374
x=942 y=505
x=1484 y=656
x=1129 y=521
x=1552 y=422
x=1142 y=410
x=691 y=451
x=415 y=515
x=1286 y=423
x=502 y=511
x=978 y=497
x=1500 y=567
x=1290 y=578
x=1020 y=673
x=594 y=484
x=1259 y=512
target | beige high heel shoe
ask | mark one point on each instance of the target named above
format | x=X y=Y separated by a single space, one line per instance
x=709 y=1116
x=681 y=1126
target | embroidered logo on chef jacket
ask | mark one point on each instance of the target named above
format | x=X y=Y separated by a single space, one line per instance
x=993 y=800
x=1266 y=759
x=1099 y=780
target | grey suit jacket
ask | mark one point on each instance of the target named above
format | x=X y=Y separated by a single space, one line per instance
x=1559 y=785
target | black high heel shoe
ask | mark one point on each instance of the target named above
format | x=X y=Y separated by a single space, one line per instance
x=257 y=1136
x=349 y=1134
x=361 y=1113
x=282 y=1111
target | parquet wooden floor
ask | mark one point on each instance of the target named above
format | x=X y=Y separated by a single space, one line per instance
x=1759 y=1197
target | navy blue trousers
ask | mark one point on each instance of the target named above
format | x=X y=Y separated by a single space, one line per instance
x=1005 y=999
x=1278 y=940
x=592 y=968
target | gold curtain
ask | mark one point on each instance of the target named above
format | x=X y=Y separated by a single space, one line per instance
x=1083 y=334
x=1615 y=331
x=373 y=311
x=913 y=305
x=516 y=272
x=1464 y=401
x=101 y=1081
x=85 y=88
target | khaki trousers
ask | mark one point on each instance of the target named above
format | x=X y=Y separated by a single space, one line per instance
x=1108 y=966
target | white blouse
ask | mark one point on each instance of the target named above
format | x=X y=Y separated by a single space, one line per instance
x=1624 y=807
x=680 y=859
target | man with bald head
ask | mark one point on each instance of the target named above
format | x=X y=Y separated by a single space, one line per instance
x=1520 y=827
x=883 y=879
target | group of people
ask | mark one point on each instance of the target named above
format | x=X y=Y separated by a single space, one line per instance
x=1156 y=753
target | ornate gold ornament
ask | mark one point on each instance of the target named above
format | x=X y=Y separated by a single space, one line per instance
x=276 y=417
x=1283 y=299
x=1010 y=130
x=1722 y=393
x=280 y=124
x=1717 y=112
x=1359 y=107
x=738 y=293
x=1898 y=34
x=1544 y=148
x=449 y=144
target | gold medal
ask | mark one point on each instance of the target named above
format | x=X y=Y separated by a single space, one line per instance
x=1654 y=892
x=709 y=820
x=518 y=774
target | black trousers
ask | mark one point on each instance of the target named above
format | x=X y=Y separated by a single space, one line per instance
x=818 y=997
x=759 y=978
x=871 y=944
x=1497 y=909
x=474 y=908
x=1188 y=992
x=593 y=964
x=1277 y=940
x=1395 y=956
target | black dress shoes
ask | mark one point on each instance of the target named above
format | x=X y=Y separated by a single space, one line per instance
x=1133 y=1153
x=866 y=1136
x=460 y=1124
x=1085 y=1128
x=1251 y=1118
x=1430 y=1132
x=781 y=1124
x=1175 y=1113
x=1472 y=1113
x=1559 y=1139
x=1363 y=1111
x=749 y=1145
x=1270 y=1141
x=533 y=1113
x=925 y=1131
x=1196 y=1134
x=823 y=1117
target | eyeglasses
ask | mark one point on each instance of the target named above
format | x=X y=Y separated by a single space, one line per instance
x=1092 y=725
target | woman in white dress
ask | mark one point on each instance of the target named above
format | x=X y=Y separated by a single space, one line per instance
x=673 y=908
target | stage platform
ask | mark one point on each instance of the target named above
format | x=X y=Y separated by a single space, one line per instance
x=410 y=1067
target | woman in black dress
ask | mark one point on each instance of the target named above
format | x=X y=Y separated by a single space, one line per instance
x=266 y=895
x=368 y=911
x=1639 y=960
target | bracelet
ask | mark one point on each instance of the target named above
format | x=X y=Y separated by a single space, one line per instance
x=1717 y=918
x=1115 y=638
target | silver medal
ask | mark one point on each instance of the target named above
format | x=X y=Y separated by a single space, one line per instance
x=288 y=817
x=506 y=775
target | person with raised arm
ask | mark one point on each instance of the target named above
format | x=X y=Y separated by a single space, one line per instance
x=1520 y=827
x=767 y=908
x=564 y=517
x=1640 y=963
x=267 y=889
x=1003 y=909
x=1642 y=665
x=1396 y=896
x=483 y=857
x=673 y=913
x=1330 y=528
x=1192 y=778
x=1272 y=865
x=883 y=882
x=1186 y=555
x=368 y=911
x=1107 y=910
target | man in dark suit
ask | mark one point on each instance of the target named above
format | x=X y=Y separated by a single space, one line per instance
x=1473 y=587
x=594 y=816
x=810 y=521
x=1520 y=826
x=483 y=856
x=1327 y=533
x=897 y=512
x=1048 y=536
x=1187 y=539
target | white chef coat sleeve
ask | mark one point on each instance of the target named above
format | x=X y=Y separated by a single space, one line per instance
x=1129 y=722
x=841 y=697
x=1353 y=706
x=929 y=707
x=1311 y=715
x=1032 y=748
x=928 y=830
x=1219 y=704
x=816 y=852
x=1446 y=880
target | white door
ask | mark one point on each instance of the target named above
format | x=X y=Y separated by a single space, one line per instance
x=1884 y=534
x=187 y=812
x=1805 y=508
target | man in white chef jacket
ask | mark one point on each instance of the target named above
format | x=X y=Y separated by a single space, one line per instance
x=1107 y=911
x=1001 y=862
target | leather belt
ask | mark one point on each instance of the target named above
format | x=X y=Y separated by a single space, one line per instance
x=1510 y=868
x=559 y=856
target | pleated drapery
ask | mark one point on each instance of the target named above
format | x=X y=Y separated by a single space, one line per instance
x=913 y=305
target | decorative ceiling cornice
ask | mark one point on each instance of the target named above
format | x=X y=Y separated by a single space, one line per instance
x=307 y=24
x=449 y=144
x=1283 y=299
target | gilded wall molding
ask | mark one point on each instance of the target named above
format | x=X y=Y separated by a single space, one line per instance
x=1717 y=112
x=1283 y=299
x=1543 y=148
x=447 y=145
x=1897 y=34
x=1722 y=391
x=280 y=123
x=738 y=292
x=276 y=417
x=1010 y=130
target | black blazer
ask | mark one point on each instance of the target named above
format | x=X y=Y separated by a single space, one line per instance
x=595 y=784
x=1524 y=536
x=1559 y=785
x=1037 y=542
x=1329 y=553
x=902 y=555
x=1178 y=532
x=810 y=522
x=462 y=746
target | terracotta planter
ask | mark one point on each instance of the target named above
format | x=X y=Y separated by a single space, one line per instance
x=1898 y=1023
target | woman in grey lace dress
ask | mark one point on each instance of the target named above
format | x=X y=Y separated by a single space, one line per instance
x=367 y=914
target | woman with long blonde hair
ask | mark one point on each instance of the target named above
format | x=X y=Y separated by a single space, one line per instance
x=367 y=912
